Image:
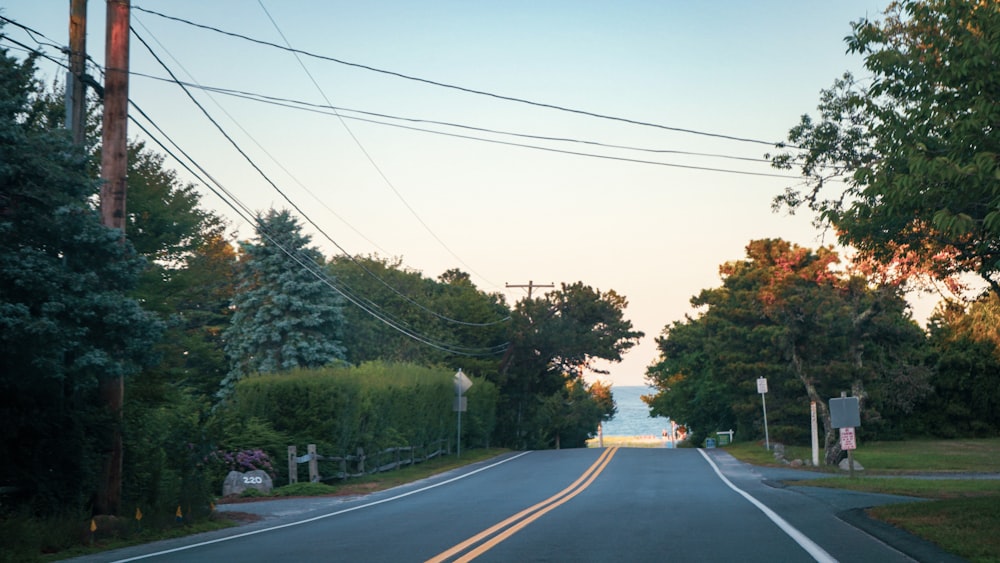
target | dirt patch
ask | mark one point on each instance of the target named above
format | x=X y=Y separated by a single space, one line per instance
x=239 y=517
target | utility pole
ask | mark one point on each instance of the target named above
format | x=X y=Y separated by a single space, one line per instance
x=114 y=166
x=76 y=92
x=530 y=285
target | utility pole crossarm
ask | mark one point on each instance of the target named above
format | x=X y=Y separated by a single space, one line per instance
x=530 y=286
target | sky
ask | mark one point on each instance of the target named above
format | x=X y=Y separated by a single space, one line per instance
x=653 y=226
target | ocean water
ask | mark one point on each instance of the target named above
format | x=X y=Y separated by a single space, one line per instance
x=633 y=415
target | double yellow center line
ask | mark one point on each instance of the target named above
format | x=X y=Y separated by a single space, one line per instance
x=503 y=530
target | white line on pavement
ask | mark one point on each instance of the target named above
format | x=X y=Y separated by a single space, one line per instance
x=818 y=553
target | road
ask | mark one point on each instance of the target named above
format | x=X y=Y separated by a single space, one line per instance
x=628 y=504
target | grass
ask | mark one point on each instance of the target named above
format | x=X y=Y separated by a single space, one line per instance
x=962 y=515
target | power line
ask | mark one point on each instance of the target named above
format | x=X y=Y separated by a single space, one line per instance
x=244 y=213
x=463 y=88
x=284 y=195
x=337 y=110
x=368 y=155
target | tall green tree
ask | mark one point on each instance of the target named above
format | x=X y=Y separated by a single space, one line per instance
x=966 y=352
x=286 y=314
x=554 y=339
x=915 y=144
x=188 y=279
x=450 y=312
x=66 y=320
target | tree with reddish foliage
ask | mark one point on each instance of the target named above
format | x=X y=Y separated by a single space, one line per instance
x=787 y=313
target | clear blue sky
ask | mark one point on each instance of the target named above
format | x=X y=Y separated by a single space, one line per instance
x=655 y=234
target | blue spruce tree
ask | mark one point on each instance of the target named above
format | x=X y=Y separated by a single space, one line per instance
x=285 y=315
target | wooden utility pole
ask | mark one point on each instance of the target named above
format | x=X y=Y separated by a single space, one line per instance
x=530 y=285
x=76 y=92
x=114 y=165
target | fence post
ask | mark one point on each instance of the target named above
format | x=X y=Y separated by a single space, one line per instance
x=293 y=466
x=313 y=464
x=361 y=460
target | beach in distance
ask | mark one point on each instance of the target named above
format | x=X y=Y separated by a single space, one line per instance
x=633 y=417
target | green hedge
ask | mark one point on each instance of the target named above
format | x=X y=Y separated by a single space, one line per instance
x=372 y=406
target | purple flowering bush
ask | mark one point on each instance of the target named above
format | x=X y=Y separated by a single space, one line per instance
x=244 y=460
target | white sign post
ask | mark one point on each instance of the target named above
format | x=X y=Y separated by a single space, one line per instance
x=815 y=433
x=462 y=384
x=762 y=389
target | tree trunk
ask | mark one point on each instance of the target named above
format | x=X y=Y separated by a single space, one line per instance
x=831 y=442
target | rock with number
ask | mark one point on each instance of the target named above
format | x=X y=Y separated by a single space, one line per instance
x=236 y=482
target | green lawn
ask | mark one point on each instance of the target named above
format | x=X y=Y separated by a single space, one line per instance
x=964 y=514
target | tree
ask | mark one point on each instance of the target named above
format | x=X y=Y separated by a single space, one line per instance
x=286 y=314
x=917 y=148
x=188 y=279
x=786 y=314
x=966 y=351
x=449 y=312
x=553 y=340
x=66 y=322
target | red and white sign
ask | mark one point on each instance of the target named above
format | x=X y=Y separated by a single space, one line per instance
x=847 y=439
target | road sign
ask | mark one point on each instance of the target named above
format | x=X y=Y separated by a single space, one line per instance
x=762 y=385
x=847 y=439
x=462 y=382
x=845 y=412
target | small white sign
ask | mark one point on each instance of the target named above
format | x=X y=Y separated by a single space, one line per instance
x=761 y=385
x=847 y=439
x=462 y=382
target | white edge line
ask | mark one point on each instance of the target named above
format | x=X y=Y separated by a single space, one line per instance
x=322 y=516
x=818 y=553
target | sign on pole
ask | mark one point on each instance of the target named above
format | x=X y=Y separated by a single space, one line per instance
x=848 y=441
x=762 y=389
x=762 y=385
x=845 y=412
x=462 y=384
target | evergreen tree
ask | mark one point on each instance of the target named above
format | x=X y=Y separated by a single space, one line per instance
x=285 y=314
x=65 y=318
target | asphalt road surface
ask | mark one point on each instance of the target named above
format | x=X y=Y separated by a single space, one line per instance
x=628 y=504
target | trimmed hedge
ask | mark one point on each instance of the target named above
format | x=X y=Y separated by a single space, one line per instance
x=372 y=406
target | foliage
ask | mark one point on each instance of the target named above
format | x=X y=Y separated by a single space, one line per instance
x=966 y=350
x=449 y=310
x=918 y=144
x=188 y=278
x=553 y=340
x=65 y=319
x=287 y=315
x=372 y=406
x=244 y=460
x=784 y=313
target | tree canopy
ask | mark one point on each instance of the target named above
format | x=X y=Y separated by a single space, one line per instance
x=286 y=313
x=66 y=320
x=786 y=314
x=554 y=340
x=906 y=164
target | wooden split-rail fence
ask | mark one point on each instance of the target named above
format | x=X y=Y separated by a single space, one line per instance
x=362 y=464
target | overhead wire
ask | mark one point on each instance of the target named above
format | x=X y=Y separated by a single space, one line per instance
x=338 y=110
x=247 y=215
x=371 y=160
x=461 y=88
x=244 y=213
x=253 y=139
x=278 y=189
